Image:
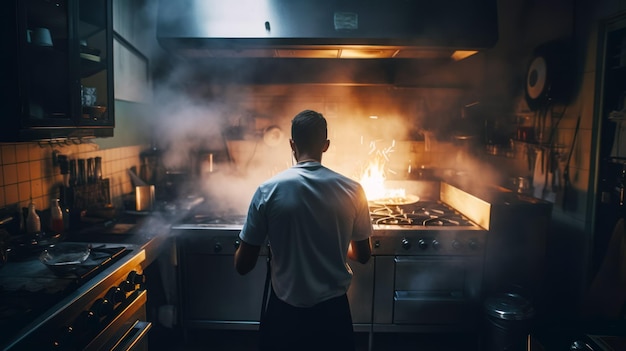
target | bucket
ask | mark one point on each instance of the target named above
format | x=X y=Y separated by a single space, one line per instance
x=509 y=318
x=144 y=198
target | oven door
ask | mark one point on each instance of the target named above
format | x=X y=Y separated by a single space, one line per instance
x=436 y=290
x=128 y=330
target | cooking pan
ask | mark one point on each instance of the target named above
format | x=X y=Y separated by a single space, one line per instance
x=397 y=200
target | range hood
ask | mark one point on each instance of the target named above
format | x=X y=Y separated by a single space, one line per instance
x=327 y=29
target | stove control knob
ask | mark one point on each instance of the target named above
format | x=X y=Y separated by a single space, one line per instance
x=473 y=244
x=63 y=338
x=126 y=286
x=217 y=247
x=136 y=278
x=406 y=244
x=436 y=244
x=132 y=280
x=102 y=307
x=115 y=295
x=87 y=322
x=456 y=244
x=422 y=244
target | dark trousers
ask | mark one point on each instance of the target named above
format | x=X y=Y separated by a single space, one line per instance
x=326 y=326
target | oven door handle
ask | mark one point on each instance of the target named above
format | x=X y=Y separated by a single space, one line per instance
x=134 y=336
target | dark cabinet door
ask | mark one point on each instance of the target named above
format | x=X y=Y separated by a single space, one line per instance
x=58 y=52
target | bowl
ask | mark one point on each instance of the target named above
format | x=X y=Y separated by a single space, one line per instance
x=64 y=258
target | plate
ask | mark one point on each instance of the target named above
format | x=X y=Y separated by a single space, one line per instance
x=400 y=200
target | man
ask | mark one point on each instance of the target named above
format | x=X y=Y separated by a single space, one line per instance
x=314 y=219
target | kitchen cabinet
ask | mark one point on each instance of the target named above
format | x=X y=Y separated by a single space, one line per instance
x=58 y=80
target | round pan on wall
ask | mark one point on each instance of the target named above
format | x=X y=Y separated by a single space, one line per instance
x=550 y=75
x=537 y=84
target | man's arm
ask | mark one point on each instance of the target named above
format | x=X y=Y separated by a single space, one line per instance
x=360 y=251
x=246 y=257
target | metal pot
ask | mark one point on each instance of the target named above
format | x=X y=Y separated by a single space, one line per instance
x=144 y=198
x=173 y=185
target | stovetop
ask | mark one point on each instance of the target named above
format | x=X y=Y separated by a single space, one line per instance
x=431 y=212
x=423 y=215
x=414 y=216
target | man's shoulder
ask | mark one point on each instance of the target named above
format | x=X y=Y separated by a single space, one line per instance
x=281 y=177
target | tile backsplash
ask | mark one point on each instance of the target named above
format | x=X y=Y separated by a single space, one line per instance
x=29 y=170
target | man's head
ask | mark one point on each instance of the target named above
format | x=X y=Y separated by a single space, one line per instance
x=309 y=132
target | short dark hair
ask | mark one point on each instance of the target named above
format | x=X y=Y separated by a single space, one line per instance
x=309 y=130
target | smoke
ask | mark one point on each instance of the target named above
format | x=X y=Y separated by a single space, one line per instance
x=214 y=106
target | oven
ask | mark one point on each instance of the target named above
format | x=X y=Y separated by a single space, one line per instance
x=213 y=295
x=429 y=261
x=424 y=288
x=100 y=306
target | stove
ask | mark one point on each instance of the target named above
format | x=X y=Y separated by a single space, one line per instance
x=431 y=226
x=36 y=303
x=425 y=271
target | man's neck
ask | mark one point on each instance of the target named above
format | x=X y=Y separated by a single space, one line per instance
x=309 y=158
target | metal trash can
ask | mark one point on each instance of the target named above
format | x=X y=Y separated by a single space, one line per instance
x=509 y=319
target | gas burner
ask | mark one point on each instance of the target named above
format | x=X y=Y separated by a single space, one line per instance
x=429 y=214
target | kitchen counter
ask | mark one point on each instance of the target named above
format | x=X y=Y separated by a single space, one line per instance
x=143 y=236
x=147 y=231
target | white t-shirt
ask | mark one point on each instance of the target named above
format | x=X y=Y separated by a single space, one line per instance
x=310 y=214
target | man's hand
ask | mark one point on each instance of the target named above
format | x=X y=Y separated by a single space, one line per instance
x=246 y=257
x=360 y=251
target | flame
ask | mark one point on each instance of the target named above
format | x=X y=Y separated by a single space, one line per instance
x=373 y=180
x=373 y=176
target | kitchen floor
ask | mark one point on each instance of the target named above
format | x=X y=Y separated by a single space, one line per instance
x=226 y=340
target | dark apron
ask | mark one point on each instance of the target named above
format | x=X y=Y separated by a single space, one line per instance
x=325 y=326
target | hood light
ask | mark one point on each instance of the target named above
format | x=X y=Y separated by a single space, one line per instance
x=368 y=53
x=462 y=54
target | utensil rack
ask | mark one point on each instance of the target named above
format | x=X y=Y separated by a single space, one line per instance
x=95 y=194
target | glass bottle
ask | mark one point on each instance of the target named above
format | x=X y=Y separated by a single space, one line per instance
x=98 y=168
x=64 y=203
x=81 y=178
x=73 y=174
x=33 y=222
x=57 y=224
x=91 y=176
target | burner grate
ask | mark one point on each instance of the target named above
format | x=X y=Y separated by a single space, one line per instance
x=429 y=214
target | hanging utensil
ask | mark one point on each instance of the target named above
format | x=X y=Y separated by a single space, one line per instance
x=569 y=201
